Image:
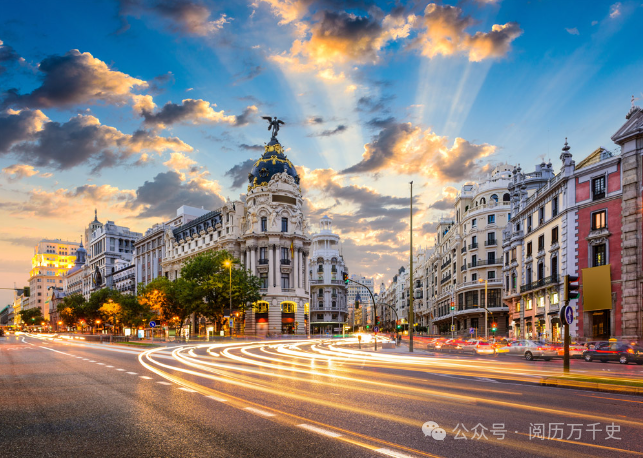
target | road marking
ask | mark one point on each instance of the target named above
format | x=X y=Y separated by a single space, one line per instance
x=79 y=357
x=315 y=429
x=189 y=390
x=101 y=364
x=164 y=383
x=260 y=412
x=92 y=361
x=131 y=373
x=217 y=399
x=145 y=377
x=389 y=452
x=120 y=369
x=109 y=366
x=85 y=359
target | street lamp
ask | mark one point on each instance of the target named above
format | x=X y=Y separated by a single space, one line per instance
x=228 y=264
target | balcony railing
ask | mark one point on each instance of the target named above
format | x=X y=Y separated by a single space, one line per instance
x=551 y=280
x=285 y=262
x=473 y=246
x=263 y=261
x=446 y=263
x=464 y=249
x=445 y=279
x=491 y=243
x=463 y=268
x=484 y=263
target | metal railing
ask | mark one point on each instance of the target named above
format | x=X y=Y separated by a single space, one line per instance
x=551 y=280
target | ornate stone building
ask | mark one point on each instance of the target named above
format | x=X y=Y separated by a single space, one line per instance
x=267 y=231
x=328 y=293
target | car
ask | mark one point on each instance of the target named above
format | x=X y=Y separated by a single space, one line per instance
x=532 y=349
x=436 y=344
x=501 y=346
x=615 y=351
x=481 y=347
x=454 y=346
x=575 y=350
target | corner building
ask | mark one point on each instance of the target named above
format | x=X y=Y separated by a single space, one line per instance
x=267 y=231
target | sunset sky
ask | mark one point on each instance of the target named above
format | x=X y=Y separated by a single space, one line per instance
x=140 y=106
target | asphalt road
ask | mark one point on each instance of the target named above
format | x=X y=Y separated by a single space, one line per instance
x=308 y=398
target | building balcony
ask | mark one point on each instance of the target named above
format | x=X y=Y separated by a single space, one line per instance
x=464 y=249
x=446 y=263
x=445 y=279
x=263 y=262
x=463 y=268
x=551 y=280
x=285 y=262
x=492 y=262
x=473 y=246
x=491 y=243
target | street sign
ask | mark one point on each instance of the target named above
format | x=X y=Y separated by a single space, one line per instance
x=376 y=329
x=472 y=330
x=453 y=327
x=567 y=315
x=231 y=322
x=152 y=324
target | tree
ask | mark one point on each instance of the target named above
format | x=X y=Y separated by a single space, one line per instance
x=172 y=301
x=71 y=308
x=32 y=317
x=111 y=311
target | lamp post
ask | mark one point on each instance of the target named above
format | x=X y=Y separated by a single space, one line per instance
x=486 y=301
x=229 y=265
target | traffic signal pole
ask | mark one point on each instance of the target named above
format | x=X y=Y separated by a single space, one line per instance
x=570 y=292
x=346 y=279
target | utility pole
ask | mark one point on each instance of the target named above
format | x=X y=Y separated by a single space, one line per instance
x=411 y=287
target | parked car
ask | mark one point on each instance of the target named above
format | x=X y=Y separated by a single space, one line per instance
x=614 y=351
x=532 y=349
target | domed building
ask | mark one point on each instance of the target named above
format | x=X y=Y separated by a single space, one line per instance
x=267 y=230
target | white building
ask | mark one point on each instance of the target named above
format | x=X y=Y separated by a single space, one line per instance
x=328 y=293
x=109 y=243
x=123 y=279
x=366 y=302
x=149 y=250
x=78 y=279
x=266 y=229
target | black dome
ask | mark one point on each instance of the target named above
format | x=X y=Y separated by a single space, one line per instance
x=272 y=161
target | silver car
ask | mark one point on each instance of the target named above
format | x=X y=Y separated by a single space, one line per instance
x=532 y=349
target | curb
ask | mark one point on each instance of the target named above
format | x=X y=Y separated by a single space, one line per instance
x=591 y=386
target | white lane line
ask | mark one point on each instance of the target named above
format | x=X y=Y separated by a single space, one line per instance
x=92 y=361
x=109 y=366
x=189 y=390
x=217 y=399
x=315 y=429
x=85 y=359
x=101 y=364
x=164 y=383
x=131 y=373
x=120 y=369
x=79 y=357
x=145 y=377
x=260 y=412
x=396 y=454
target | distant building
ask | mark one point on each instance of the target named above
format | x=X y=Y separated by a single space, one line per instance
x=51 y=261
x=78 y=279
x=366 y=302
x=328 y=293
x=124 y=277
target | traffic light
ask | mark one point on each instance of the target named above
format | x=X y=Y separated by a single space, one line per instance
x=399 y=326
x=571 y=287
x=345 y=277
x=494 y=327
x=452 y=305
x=368 y=326
x=377 y=320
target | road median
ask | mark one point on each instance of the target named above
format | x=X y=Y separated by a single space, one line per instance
x=601 y=384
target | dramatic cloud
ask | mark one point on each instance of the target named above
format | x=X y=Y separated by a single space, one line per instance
x=17 y=172
x=190 y=111
x=428 y=228
x=379 y=123
x=573 y=31
x=447 y=201
x=179 y=162
x=239 y=173
x=30 y=136
x=73 y=79
x=445 y=34
x=251 y=147
x=20 y=241
x=8 y=56
x=327 y=133
x=167 y=192
x=372 y=104
x=615 y=10
x=187 y=17
x=92 y=193
x=403 y=148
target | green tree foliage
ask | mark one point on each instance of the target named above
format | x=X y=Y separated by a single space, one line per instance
x=71 y=309
x=210 y=278
x=173 y=302
x=32 y=317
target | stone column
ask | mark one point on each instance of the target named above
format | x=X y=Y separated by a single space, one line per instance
x=271 y=268
x=295 y=272
x=253 y=260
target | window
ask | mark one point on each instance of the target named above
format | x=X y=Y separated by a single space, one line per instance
x=320 y=316
x=491 y=238
x=473 y=223
x=262 y=253
x=529 y=223
x=285 y=281
x=541 y=242
x=264 y=280
x=491 y=219
x=517 y=306
x=598 y=188
x=491 y=257
x=554 y=267
x=541 y=301
x=514 y=280
x=483 y=201
x=528 y=305
x=494 y=198
x=554 y=206
x=284 y=224
x=507 y=283
x=599 y=220
x=541 y=271
x=554 y=235
x=554 y=298
x=264 y=224
x=529 y=250
x=474 y=277
x=491 y=275
x=334 y=304
x=285 y=253
x=320 y=293
x=600 y=258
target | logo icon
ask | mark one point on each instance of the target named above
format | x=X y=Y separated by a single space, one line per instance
x=431 y=428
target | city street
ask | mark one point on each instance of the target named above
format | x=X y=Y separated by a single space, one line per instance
x=300 y=398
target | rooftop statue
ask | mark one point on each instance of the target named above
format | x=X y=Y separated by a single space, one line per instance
x=273 y=123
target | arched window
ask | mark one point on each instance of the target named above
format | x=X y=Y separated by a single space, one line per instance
x=483 y=201
x=466 y=208
x=288 y=307
x=506 y=197
x=261 y=307
x=494 y=197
